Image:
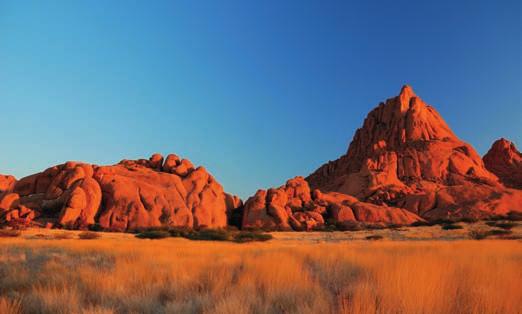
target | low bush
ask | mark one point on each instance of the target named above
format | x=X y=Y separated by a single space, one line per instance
x=211 y=235
x=420 y=224
x=10 y=233
x=451 y=227
x=62 y=235
x=374 y=237
x=89 y=235
x=468 y=220
x=514 y=216
x=153 y=234
x=207 y=235
x=506 y=225
x=245 y=236
x=499 y=232
x=348 y=226
x=478 y=234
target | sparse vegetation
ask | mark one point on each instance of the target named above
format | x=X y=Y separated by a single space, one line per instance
x=89 y=235
x=232 y=235
x=451 y=227
x=153 y=234
x=246 y=236
x=62 y=235
x=10 y=233
x=374 y=237
x=478 y=234
x=499 y=232
x=507 y=225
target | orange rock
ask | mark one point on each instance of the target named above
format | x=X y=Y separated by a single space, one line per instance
x=6 y=184
x=505 y=161
x=294 y=206
x=406 y=156
x=9 y=201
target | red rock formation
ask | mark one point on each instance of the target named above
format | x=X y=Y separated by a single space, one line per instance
x=405 y=155
x=294 y=207
x=6 y=184
x=504 y=160
x=134 y=194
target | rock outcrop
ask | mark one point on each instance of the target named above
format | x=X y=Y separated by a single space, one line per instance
x=505 y=161
x=406 y=156
x=294 y=206
x=6 y=183
x=131 y=195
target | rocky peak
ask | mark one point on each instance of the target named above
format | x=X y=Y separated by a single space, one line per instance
x=505 y=161
x=403 y=148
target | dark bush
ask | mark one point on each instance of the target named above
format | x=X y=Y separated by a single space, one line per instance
x=478 y=234
x=348 y=226
x=468 y=220
x=325 y=228
x=89 y=235
x=420 y=224
x=514 y=216
x=499 y=232
x=245 y=236
x=374 y=237
x=153 y=234
x=503 y=225
x=10 y=233
x=211 y=235
x=451 y=227
x=506 y=225
x=95 y=227
x=180 y=232
x=442 y=222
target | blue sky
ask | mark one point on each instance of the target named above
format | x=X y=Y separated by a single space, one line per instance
x=256 y=91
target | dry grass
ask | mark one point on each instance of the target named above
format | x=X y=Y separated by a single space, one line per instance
x=122 y=274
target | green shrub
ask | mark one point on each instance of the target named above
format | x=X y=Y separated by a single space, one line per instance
x=374 y=237
x=451 y=227
x=153 y=234
x=246 y=236
x=89 y=235
x=10 y=233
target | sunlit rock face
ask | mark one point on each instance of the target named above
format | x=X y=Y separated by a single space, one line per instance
x=504 y=160
x=293 y=206
x=131 y=195
x=406 y=156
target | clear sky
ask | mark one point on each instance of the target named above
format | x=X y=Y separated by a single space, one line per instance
x=256 y=91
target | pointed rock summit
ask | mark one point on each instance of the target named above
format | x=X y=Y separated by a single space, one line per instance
x=405 y=155
x=505 y=161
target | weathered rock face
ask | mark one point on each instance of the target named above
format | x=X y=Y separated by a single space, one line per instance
x=405 y=155
x=294 y=206
x=504 y=160
x=133 y=194
x=6 y=183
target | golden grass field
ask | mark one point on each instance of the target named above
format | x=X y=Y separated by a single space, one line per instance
x=294 y=273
